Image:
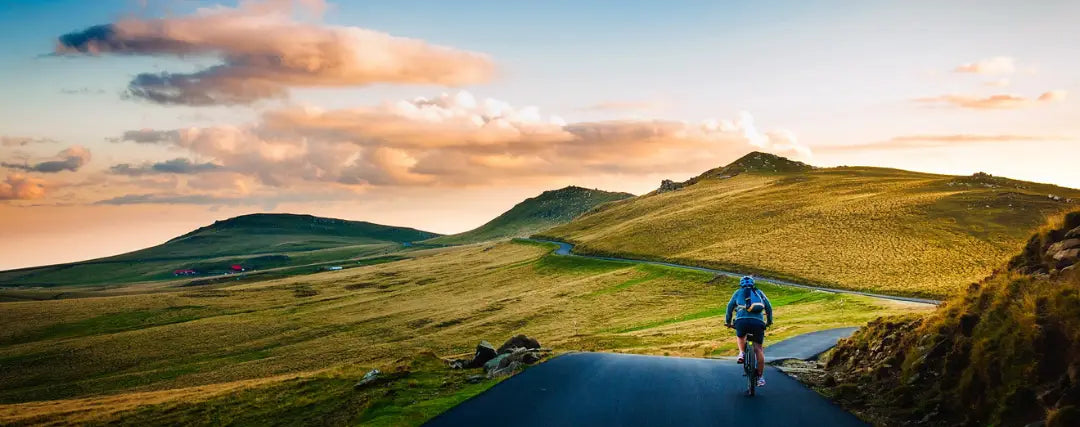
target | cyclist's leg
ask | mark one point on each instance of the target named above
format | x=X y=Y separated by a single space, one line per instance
x=760 y=353
x=740 y=336
x=759 y=349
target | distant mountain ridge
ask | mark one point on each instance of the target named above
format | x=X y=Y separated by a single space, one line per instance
x=309 y=224
x=257 y=241
x=535 y=214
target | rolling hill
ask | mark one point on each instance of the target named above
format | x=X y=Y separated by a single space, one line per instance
x=536 y=214
x=885 y=230
x=256 y=241
x=1004 y=352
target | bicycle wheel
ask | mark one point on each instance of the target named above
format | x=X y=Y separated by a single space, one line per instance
x=750 y=365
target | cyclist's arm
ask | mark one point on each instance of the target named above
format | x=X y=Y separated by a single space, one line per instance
x=768 y=308
x=730 y=308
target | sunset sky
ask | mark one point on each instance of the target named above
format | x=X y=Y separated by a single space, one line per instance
x=124 y=123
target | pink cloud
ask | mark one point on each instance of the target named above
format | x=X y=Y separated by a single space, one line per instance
x=458 y=140
x=264 y=51
x=18 y=186
x=1054 y=95
x=992 y=102
x=995 y=65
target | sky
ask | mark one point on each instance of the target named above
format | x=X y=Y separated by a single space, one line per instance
x=124 y=123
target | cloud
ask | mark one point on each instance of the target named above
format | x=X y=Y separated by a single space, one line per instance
x=1054 y=95
x=264 y=51
x=941 y=140
x=18 y=186
x=21 y=141
x=178 y=199
x=174 y=166
x=70 y=159
x=1002 y=82
x=147 y=136
x=995 y=65
x=992 y=102
x=629 y=106
x=267 y=200
x=459 y=140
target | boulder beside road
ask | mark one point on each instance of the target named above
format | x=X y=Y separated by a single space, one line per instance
x=484 y=352
x=516 y=352
x=518 y=341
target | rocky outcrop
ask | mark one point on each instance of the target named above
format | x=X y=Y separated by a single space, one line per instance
x=512 y=361
x=484 y=352
x=515 y=353
x=518 y=341
x=668 y=185
x=369 y=378
x=1051 y=251
x=1073 y=234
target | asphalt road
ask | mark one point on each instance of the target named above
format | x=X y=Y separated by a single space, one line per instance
x=565 y=249
x=607 y=389
x=805 y=346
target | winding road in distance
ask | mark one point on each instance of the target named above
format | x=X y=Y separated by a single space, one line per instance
x=566 y=248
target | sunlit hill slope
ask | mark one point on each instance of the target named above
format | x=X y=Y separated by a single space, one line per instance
x=867 y=228
x=1004 y=352
x=535 y=214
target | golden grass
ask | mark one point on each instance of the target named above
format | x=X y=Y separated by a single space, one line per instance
x=95 y=356
x=858 y=228
x=91 y=409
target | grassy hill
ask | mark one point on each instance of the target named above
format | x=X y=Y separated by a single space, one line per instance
x=257 y=242
x=1004 y=352
x=288 y=351
x=536 y=214
x=866 y=228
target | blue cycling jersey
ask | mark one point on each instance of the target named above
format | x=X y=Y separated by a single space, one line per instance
x=735 y=305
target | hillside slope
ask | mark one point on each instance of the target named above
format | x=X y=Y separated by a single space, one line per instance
x=877 y=229
x=288 y=351
x=256 y=241
x=1006 y=352
x=536 y=214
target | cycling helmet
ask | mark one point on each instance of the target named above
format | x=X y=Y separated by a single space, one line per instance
x=746 y=282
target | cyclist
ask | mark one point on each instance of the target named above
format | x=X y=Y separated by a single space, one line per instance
x=748 y=303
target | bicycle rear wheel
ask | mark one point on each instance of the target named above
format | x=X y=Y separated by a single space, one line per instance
x=750 y=365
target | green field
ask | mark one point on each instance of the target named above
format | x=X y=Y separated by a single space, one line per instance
x=257 y=242
x=883 y=230
x=535 y=214
x=280 y=349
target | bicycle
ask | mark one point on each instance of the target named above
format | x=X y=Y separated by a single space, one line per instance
x=750 y=361
x=750 y=370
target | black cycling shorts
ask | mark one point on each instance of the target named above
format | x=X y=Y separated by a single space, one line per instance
x=753 y=327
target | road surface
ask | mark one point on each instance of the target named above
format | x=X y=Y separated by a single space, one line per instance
x=806 y=346
x=565 y=249
x=607 y=389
